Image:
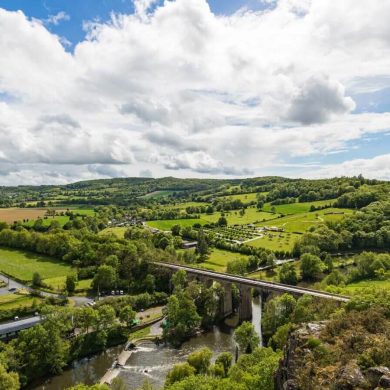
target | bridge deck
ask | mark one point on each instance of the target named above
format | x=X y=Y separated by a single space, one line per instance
x=262 y=284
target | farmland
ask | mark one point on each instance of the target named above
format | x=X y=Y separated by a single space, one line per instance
x=245 y=198
x=218 y=259
x=296 y=208
x=22 y=265
x=168 y=223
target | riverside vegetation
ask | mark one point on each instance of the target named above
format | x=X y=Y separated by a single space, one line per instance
x=337 y=231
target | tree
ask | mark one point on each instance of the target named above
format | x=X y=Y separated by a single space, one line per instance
x=311 y=266
x=70 y=283
x=200 y=360
x=225 y=359
x=181 y=317
x=288 y=274
x=175 y=229
x=178 y=373
x=202 y=246
x=271 y=259
x=8 y=380
x=246 y=337
x=36 y=280
x=104 y=278
x=127 y=315
x=328 y=261
x=179 y=280
x=242 y=212
x=222 y=221
x=85 y=318
x=106 y=316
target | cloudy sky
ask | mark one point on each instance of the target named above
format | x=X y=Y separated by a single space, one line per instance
x=190 y=88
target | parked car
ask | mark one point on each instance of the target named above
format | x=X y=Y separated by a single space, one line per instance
x=12 y=289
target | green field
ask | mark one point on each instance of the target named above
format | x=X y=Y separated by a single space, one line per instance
x=218 y=259
x=275 y=241
x=157 y=194
x=245 y=198
x=58 y=284
x=367 y=284
x=252 y=215
x=13 y=301
x=301 y=222
x=296 y=208
x=184 y=205
x=118 y=231
x=166 y=224
x=22 y=265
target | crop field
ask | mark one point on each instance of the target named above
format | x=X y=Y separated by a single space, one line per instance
x=10 y=215
x=219 y=258
x=275 y=241
x=296 y=208
x=301 y=222
x=22 y=265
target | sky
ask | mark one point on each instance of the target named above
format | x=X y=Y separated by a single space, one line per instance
x=188 y=88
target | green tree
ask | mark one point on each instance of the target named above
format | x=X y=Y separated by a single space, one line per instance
x=288 y=274
x=246 y=337
x=222 y=221
x=175 y=229
x=85 y=318
x=104 y=278
x=202 y=246
x=70 y=283
x=225 y=359
x=36 y=280
x=200 y=360
x=179 y=280
x=178 y=373
x=311 y=266
x=127 y=315
x=106 y=316
x=8 y=380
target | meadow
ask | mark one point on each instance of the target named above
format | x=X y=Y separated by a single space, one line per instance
x=58 y=284
x=157 y=194
x=166 y=224
x=296 y=208
x=17 y=301
x=218 y=259
x=252 y=215
x=275 y=241
x=22 y=265
x=245 y=198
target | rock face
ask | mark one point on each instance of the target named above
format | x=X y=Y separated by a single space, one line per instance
x=294 y=353
x=298 y=369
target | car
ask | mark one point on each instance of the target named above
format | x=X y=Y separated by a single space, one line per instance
x=112 y=292
x=121 y=292
x=12 y=289
x=16 y=318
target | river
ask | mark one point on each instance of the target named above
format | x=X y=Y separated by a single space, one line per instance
x=148 y=361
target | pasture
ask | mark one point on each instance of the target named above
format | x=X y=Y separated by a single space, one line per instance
x=218 y=259
x=117 y=231
x=22 y=265
x=301 y=222
x=275 y=241
x=157 y=194
x=166 y=224
x=245 y=198
x=58 y=284
x=297 y=208
x=17 y=301
x=252 y=215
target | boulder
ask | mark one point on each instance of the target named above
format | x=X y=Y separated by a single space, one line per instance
x=350 y=377
x=375 y=373
x=384 y=382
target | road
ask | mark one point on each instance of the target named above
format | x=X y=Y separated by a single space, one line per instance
x=260 y=284
x=16 y=326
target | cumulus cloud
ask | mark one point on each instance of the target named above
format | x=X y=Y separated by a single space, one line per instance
x=174 y=87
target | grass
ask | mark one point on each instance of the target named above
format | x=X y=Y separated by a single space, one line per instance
x=301 y=222
x=252 y=215
x=219 y=258
x=166 y=224
x=22 y=265
x=16 y=301
x=367 y=284
x=58 y=284
x=117 y=231
x=275 y=241
x=297 y=208
x=245 y=198
x=139 y=334
x=157 y=194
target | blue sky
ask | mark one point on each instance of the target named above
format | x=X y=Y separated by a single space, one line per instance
x=192 y=93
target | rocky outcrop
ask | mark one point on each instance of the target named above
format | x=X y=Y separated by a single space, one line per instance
x=300 y=369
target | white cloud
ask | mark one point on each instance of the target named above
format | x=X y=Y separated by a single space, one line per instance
x=56 y=19
x=178 y=88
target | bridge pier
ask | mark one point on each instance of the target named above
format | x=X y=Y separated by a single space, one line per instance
x=227 y=302
x=245 y=308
